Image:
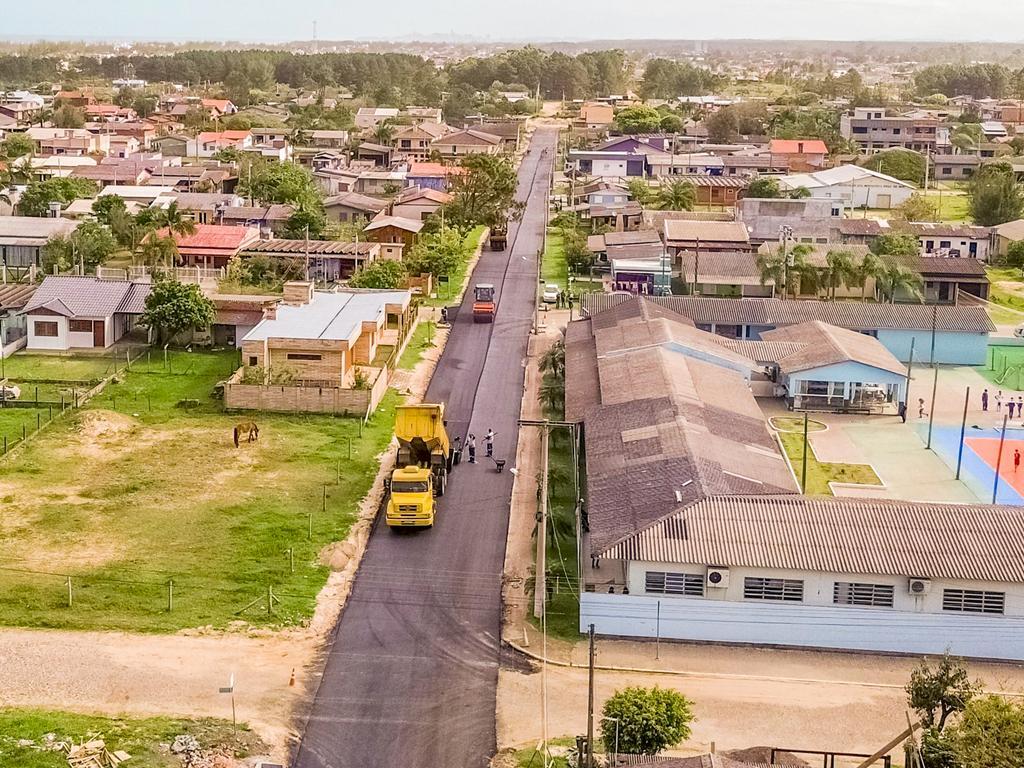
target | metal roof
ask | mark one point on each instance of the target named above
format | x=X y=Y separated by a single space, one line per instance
x=313 y=247
x=885 y=537
x=776 y=312
x=88 y=296
x=330 y=316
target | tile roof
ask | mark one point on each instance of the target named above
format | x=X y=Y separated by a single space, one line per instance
x=736 y=268
x=15 y=295
x=30 y=230
x=88 y=296
x=776 y=312
x=357 y=201
x=400 y=222
x=823 y=344
x=470 y=136
x=434 y=169
x=317 y=247
x=1012 y=230
x=974 y=542
x=213 y=237
x=797 y=147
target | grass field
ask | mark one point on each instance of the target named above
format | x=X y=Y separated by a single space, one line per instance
x=15 y=422
x=457 y=279
x=554 y=268
x=421 y=340
x=1004 y=366
x=952 y=205
x=143 y=486
x=141 y=738
x=819 y=474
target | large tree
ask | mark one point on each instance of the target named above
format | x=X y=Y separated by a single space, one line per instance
x=173 y=307
x=36 y=199
x=438 y=253
x=647 y=720
x=764 y=187
x=89 y=245
x=903 y=164
x=639 y=119
x=995 y=195
x=677 y=195
x=380 y=274
x=990 y=734
x=485 y=193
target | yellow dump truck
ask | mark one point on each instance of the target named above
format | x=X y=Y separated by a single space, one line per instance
x=421 y=470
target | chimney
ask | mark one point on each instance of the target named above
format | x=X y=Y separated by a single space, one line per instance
x=270 y=311
x=54 y=209
x=298 y=292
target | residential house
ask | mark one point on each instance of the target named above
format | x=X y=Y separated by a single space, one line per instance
x=510 y=131
x=237 y=314
x=954 y=167
x=383 y=183
x=596 y=116
x=945 y=277
x=729 y=274
x=854 y=186
x=270 y=219
x=352 y=206
x=598 y=192
x=68 y=141
x=413 y=142
x=802 y=155
x=618 y=217
x=125 y=173
x=810 y=220
x=638 y=244
x=335 y=181
x=873 y=130
x=324 y=261
x=13 y=327
x=378 y=154
x=468 y=142
x=432 y=175
x=202 y=207
x=140 y=130
x=173 y=145
x=1004 y=235
x=82 y=312
x=368 y=118
x=22 y=239
x=957 y=240
x=271 y=136
x=109 y=113
x=706 y=236
x=608 y=164
x=214 y=109
x=395 y=233
x=959 y=333
x=324 y=139
x=419 y=115
x=724 y=191
x=416 y=203
x=80 y=99
x=212 y=245
x=145 y=195
x=209 y=143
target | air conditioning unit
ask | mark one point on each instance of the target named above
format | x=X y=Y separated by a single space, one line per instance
x=717 y=577
x=919 y=586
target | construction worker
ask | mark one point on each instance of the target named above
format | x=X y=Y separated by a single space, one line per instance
x=489 y=443
x=471 y=447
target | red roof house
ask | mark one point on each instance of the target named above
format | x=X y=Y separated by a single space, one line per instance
x=804 y=155
x=211 y=245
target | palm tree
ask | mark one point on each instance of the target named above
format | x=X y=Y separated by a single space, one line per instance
x=552 y=362
x=967 y=138
x=384 y=132
x=172 y=219
x=772 y=269
x=804 y=276
x=895 y=277
x=839 y=270
x=677 y=195
x=871 y=266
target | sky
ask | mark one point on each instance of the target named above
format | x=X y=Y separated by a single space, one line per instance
x=280 y=20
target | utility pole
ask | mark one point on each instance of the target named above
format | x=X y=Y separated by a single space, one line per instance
x=540 y=581
x=590 y=704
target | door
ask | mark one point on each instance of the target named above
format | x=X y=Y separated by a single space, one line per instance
x=883 y=201
x=98 y=335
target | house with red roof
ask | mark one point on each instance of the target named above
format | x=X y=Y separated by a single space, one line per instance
x=803 y=155
x=208 y=143
x=432 y=175
x=211 y=245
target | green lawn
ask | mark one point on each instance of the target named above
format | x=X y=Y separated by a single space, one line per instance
x=795 y=424
x=28 y=367
x=554 y=268
x=12 y=420
x=952 y=205
x=451 y=293
x=422 y=339
x=819 y=474
x=1004 y=365
x=139 y=737
x=143 y=486
x=534 y=758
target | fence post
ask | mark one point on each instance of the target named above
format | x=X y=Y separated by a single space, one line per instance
x=270 y=600
x=70 y=600
x=310 y=535
x=170 y=595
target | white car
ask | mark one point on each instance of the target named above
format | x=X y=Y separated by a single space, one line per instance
x=550 y=295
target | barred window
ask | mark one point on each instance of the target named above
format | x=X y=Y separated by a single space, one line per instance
x=303 y=356
x=789 y=590
x=853 y=593
x=973 y=601
x=661 y=583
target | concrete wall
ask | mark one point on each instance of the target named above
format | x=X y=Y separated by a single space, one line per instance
x=838 y=627
x=294 y=399
x=950 y=348
x=60 y=341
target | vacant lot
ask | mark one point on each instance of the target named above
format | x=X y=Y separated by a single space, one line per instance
x=145 y=739
x=160 y=523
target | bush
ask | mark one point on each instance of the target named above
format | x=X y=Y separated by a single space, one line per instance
x=648 y=719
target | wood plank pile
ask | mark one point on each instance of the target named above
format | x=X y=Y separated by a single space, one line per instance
x=92 y=754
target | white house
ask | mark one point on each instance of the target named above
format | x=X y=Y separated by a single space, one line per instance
x=854 y=186
x=370 y=117
x=74 y=312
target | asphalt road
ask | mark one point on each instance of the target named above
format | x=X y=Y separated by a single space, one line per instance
x=411 y=677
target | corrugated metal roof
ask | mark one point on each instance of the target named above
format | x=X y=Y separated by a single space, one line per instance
x=315 y=247
x=776 y=312
x=839 y=535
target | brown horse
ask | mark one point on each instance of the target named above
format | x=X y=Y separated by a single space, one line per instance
x=247 y=429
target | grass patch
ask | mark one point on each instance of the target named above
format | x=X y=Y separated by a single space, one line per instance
x=22 y=367
x=143 y=486
x=1004 y=366
x=534 y=758
x=459 y=276
x=794 y=424
x=421 y=340
x=145 y=739
x=554 y=268
x=820 y=474
x=13 y=420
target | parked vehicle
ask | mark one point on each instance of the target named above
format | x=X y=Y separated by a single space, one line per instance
x=550 y=295
x=422 y=466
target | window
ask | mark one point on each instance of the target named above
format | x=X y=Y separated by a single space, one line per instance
x=852 y=593
x=895 y=131
x=973 y=601
x=660 y=583
x=859 y=129
x=80 y=326
x=788 y=590
x=303 y=356
x=253 y=361
x=946 y=170
x=45 y=328
x=945 y=243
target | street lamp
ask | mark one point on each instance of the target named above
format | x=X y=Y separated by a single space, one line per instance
x=615 y=754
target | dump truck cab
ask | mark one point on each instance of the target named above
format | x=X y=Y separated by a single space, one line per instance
x=421 y=467
x=483 y=303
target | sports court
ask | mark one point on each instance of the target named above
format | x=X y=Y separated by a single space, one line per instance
x=980 y=458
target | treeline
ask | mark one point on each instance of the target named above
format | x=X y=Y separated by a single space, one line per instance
x=982 y=81
x=667 y=79
x=380 y=77
x=593 y=73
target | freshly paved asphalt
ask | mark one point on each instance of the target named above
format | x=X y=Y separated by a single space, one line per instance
x=411 y=677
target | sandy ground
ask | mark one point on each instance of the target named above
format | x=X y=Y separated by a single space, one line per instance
x=115 y=673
